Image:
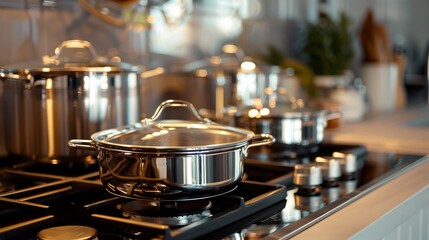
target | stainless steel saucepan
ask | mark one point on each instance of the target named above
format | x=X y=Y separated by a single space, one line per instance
x=295 y=129
x=70 y=95
x=172 y=159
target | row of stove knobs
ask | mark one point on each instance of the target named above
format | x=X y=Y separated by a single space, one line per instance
x=317 y=183
x=325 y=169
x=322 y=181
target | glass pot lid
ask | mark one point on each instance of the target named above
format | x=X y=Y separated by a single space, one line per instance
x=72 y=56
x=153 y=134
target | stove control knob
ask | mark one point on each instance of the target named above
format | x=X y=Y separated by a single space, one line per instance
x=331 y=168
x=348 y=162
x=308 y=174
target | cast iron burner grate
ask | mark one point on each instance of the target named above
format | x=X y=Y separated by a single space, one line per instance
x=248 y=203
x=83 y=201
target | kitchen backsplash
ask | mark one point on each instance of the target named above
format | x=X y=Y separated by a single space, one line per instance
x=30 y=30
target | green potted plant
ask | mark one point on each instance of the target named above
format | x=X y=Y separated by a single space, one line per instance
x=328 y=52
x=328 y=47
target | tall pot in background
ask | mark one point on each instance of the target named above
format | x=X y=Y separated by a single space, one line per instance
x=69 y=95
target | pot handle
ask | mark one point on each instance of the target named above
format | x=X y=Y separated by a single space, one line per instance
x=331 y=115
x=175 y=103
x=82 y=144
x=260 y=140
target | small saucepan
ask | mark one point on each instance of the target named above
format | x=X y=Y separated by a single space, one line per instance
x=296 y=129
x=172 y=160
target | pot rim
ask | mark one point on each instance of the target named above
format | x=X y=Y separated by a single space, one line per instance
x=125 y=150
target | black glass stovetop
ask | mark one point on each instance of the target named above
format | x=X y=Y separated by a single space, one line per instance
x=34 y=197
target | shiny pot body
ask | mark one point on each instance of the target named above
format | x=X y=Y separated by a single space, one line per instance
x=166 y=176
x=290 y=132
x=42 y=115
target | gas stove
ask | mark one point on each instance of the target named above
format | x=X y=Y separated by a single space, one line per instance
x=39 y=201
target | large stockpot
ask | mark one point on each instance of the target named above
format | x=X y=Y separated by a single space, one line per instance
x=297 y=129
x=172 y=159
x=70 y=95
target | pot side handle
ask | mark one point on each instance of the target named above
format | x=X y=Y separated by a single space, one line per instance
x=260 y=140
x=82 y=144
x=331 y=115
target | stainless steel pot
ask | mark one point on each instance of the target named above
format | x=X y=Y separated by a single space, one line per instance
x=69 y=95
x=172 y=159
x=293 y=129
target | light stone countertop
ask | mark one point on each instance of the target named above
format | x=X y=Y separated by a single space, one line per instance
x=405 y=131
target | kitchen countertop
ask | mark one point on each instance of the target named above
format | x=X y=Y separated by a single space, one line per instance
x=405 y=131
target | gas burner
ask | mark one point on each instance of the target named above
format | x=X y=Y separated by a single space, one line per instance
x=162 y=192
x=167 y=213
x=6 y=186
x=71 y=232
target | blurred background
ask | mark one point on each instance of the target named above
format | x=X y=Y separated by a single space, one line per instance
x=179 y=34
